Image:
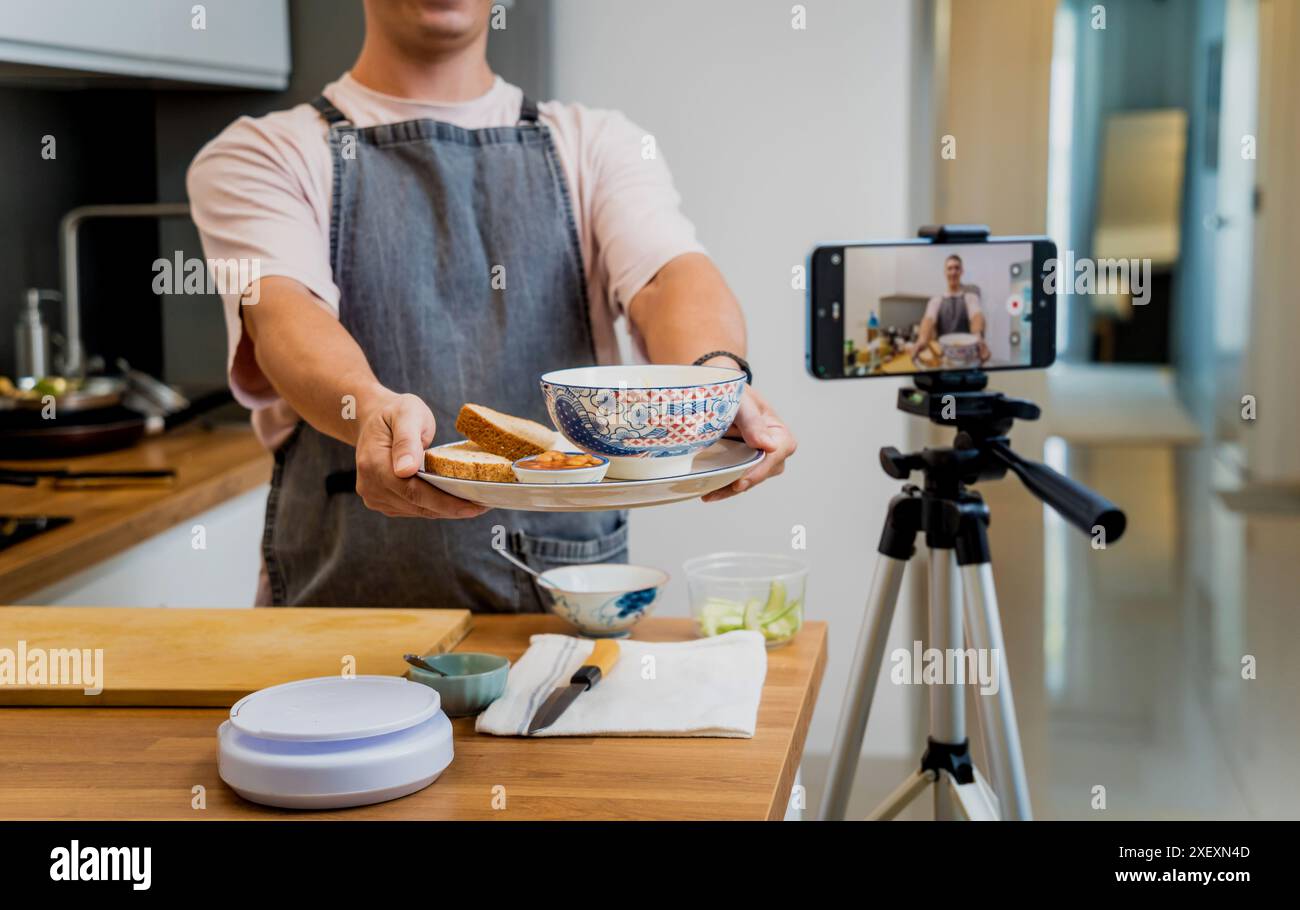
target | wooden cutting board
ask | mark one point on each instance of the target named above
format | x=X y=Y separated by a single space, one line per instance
x=173 y=656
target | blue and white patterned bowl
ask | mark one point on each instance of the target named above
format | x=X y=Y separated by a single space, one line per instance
x=649 y=420
x=604 y=600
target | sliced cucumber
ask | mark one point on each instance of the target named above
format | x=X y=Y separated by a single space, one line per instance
x=775 y=599
x=718 y=615
x=768 y=619
x=785 y=629
x=778 y=619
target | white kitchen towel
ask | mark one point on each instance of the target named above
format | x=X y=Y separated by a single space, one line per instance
x=705 y=687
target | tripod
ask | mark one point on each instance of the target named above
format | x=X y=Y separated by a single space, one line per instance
x=955 y=521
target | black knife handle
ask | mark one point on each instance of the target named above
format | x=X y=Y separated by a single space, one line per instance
x=587 y=675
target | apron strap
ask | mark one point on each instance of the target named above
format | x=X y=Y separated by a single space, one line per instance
x=528 y=110
x=333 y=116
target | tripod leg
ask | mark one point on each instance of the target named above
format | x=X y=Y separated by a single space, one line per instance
x=862 y=686
x=973 y=802
x=903 y=795
x=947 y=699
x=997 y=710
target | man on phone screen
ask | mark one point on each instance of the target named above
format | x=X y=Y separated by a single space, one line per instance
x=957 y=310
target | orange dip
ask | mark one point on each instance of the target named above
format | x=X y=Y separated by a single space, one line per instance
x=559 y=461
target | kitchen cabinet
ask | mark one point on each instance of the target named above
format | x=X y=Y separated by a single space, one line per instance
x=221 y=42
x=166 y=570
x=193 y=543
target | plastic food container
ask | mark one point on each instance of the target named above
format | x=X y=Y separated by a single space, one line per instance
x=759 y=591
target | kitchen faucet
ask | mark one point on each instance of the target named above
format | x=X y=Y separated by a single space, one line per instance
x=74 y=355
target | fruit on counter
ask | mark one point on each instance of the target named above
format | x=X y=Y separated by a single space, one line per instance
x=52 y=385
x=779 y=620
x=48 y=385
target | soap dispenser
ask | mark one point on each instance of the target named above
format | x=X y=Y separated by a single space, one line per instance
x=32 y=337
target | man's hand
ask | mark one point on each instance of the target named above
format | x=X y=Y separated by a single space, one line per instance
x=390 y=450
x=762 y=429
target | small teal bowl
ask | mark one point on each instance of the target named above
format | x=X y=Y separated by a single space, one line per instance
x=473 y=681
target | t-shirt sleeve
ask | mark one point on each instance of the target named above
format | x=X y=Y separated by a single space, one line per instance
x=973 y=307
x=256 y=196
x=932 y=308
x=637 y=221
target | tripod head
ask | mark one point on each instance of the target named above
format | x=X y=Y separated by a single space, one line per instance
x=982 y=450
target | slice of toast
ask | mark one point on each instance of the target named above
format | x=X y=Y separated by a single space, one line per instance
x=510 y=437
x=467 y=461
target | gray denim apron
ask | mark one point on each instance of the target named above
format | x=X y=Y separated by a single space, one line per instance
x=460 y=276
x=952 y=315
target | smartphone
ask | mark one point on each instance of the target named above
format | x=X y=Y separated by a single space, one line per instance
x=914 y=306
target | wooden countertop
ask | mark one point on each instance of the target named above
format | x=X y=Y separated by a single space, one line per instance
x=144 y=763
x=212 y=464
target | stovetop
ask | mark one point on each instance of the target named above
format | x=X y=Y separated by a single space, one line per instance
x=14 y=529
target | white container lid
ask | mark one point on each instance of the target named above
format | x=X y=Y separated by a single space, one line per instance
x=331 y=708
x=333 y=742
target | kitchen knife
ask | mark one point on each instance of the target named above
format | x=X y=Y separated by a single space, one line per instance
x=603 y=657
x=62 y=478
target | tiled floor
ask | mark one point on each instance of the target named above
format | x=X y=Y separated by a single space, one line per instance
x=1143 y=644
x=1143 y=674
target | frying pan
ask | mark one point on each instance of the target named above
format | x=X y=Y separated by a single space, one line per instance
x=24 y=434
x=95 y=392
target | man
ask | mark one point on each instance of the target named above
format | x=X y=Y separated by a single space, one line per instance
x=957 y=310
x=428 y=237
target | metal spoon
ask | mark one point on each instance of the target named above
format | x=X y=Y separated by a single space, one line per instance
x=415 y=661
x=519 y=563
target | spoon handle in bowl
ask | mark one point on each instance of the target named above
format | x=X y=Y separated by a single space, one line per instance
x=518 y=563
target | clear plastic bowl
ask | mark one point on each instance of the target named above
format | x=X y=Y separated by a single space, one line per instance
x=759 y=591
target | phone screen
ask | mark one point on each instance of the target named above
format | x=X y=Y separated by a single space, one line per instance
x=902 y=309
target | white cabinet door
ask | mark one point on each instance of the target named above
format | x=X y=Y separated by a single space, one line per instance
x=220 y=42
x=210 y=560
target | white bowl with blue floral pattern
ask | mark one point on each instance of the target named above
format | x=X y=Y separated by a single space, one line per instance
x=604 y=600
x=649 y=420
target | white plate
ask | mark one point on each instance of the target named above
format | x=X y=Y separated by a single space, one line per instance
x=713 y=469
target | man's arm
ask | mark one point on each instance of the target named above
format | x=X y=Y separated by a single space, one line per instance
x=687 y=310
x=314 y=364
x=925 y=334
x=975 y=313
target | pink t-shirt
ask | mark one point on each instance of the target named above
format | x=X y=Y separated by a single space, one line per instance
x=261 y=192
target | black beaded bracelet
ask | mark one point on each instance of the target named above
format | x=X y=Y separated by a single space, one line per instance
x=740 y=362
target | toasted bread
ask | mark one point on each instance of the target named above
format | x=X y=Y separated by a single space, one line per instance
x=512 y=438
x=467 y=461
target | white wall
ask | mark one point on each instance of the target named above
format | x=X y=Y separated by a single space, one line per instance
x=778 y=139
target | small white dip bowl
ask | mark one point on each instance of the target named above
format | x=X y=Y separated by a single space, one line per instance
x=592 y=474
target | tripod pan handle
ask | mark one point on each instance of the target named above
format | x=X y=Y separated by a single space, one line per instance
x=1074 y=502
